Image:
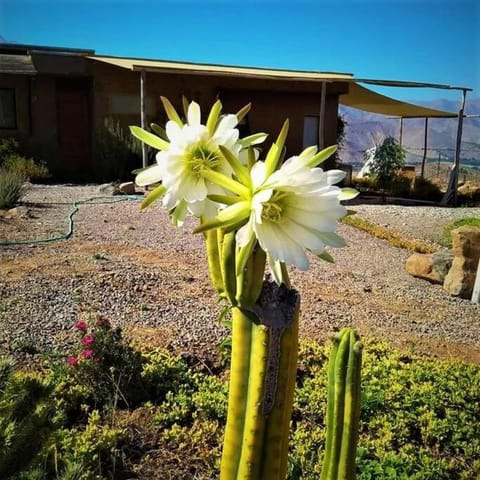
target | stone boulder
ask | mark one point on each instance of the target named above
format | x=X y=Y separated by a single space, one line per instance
x=466 y=250
x=430 y=266
x=127 y=188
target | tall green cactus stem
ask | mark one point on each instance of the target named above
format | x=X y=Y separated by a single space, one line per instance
x=343 y=407
x=262 y=381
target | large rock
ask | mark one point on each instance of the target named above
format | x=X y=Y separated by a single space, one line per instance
x=430 y=266
x=466 y=250
x=127 y=188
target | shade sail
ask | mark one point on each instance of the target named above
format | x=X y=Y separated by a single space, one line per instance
x=370 y=101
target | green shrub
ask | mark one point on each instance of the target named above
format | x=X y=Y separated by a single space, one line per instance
x=445 y=238
x=8 y=146
x=26 y=420
x=11 y=187
x=26 y=167
x=425 y=189
x=117 y=152
x=388 y=160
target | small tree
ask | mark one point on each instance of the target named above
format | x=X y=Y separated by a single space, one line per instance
x=388 y=160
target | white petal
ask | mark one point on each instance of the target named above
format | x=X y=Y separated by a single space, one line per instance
x=304 y=236
x=193 y=114
x=335 y=176
x=245 y=233
x=332 y=239
x=196 y=190
x=173 y=130
x=274 y=241
x=151 y=175
x=227 y=122
x=258 y=174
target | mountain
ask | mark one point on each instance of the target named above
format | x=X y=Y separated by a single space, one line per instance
x=364 y=130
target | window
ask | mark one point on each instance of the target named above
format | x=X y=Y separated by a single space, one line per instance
x=310 y=131
x=8 y=114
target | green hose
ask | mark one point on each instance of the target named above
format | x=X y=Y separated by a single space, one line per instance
x=75 y=205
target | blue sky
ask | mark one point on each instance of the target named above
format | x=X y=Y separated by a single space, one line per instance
x=434 y=41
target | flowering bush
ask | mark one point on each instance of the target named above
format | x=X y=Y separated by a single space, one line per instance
x=108 y=370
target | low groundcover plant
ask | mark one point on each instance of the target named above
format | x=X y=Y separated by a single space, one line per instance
x=253 y=211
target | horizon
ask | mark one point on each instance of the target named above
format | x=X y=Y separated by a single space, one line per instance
x=272 y=34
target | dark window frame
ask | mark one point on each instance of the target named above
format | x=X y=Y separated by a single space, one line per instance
x=14 y=124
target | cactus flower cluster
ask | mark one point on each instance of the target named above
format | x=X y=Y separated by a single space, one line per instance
x=255 y=209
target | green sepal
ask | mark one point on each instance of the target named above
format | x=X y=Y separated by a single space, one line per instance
x=240 y=170
x=242 y=113
x=213 y=117
x=325 y=256
x=159 y=131
x=154 y=195
x=321 y=156
x=232 y=215
x=171 y=112
x=225 y=199
x=226 y=182
x=185 y=105
x=254 y=139
x=348 y=194
x=243 y=253
x=149 y=138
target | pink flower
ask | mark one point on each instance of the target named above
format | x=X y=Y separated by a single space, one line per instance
x=81 y=325
x=87 y=354
x=88 y=340
x=73 y=361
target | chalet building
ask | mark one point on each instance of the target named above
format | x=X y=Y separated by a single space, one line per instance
x=57 y=101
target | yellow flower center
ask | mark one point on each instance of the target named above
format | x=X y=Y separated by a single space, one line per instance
x=272 y=212
x=200 y=158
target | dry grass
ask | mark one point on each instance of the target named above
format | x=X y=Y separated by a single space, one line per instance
x=394 y=239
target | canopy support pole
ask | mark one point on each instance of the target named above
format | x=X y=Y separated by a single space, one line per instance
x=425 y=140
x=143 y=113
x=451 y=194
x=321 y=118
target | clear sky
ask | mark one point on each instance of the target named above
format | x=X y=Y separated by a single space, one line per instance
x=435 y=41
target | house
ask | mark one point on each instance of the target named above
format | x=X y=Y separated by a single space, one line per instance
x=56 y=102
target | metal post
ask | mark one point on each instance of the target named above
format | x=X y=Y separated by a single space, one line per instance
x=424 y=148
x=458 y=147
x=321 y=118
x=143 y=113
x=401 y=131
x=451 y=193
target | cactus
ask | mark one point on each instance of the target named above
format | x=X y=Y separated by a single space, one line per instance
x=343 y=406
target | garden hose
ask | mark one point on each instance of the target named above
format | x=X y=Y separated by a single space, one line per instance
x=73 y=211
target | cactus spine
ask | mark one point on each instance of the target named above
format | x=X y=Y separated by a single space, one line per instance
x=343 y=407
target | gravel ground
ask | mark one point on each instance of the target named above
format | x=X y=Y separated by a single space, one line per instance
x=150 y=278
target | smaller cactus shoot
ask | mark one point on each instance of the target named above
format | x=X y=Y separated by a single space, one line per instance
x=343 y=406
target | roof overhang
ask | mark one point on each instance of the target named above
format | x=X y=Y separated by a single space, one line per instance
x=357 y=96
x=17 y=64
x=158 y=66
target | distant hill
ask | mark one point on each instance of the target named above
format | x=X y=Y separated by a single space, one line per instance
x=364 y=130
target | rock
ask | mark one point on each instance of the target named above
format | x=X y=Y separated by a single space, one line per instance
x=108 y=189
x=466 y=250
x=430 y=266
x=127 y=188
x=17 y=212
